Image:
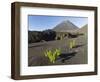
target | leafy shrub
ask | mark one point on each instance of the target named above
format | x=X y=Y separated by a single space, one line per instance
x=72 y=35
x=34 y=36
x=38 y=36
x=66 y=35
x=57 y=38
x=52 y=55
x=49 y=35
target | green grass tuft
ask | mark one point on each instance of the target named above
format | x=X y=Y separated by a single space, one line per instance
x=72 y=44
x=52 y=55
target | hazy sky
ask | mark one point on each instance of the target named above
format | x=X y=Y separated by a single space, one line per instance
x=39 y=23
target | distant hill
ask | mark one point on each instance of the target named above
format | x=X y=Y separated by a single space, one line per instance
x=83 y=29
x=65 y=26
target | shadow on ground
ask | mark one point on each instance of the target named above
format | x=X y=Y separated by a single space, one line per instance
x=80 y=45
x=66 y=56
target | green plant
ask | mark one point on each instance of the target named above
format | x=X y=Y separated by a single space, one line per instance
x=61 y=37
x=52 y=55
x=72 y=44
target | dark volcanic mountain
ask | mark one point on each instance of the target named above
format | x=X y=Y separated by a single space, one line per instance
x=65 y=26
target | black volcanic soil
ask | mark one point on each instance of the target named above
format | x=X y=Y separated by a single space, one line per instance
x=77 y=55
